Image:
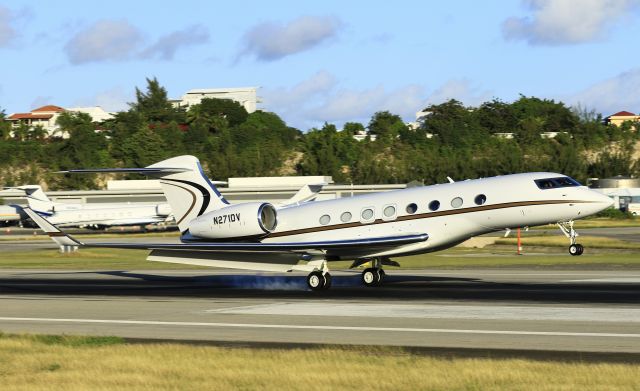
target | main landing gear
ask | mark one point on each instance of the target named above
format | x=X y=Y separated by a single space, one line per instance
x=318 y=280
x=567 y=228
x=374 y=275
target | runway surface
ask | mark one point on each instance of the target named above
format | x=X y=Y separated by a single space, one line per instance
x=517 y=309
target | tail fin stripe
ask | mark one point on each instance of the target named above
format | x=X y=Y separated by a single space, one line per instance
x=193 y=199
x=206 y=197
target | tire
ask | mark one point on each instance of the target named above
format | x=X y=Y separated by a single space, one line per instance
x=370 y=277
x=316 y=281
x=574 y=250
x=580 y=249
x=327 y=281
x=381 y=276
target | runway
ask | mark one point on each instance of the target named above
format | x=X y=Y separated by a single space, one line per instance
x=517 y=309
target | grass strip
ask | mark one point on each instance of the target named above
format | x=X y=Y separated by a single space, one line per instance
x=491 y=256
x=81 y=363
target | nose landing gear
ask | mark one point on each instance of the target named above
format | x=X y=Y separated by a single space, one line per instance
x=567 y=229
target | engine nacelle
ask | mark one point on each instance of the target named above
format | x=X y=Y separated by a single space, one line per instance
x=252 y=219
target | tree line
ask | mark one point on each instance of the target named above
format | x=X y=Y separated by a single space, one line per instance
x=451 y=140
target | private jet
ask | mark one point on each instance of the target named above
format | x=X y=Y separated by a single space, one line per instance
x=97 y=216
x=368 y=228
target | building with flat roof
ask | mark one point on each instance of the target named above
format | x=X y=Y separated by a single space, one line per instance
x=246 y=96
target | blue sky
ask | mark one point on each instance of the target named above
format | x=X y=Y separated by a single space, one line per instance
x=332 y=61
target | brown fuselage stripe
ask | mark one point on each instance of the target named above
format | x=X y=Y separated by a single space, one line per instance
x=422 y=216
x=193 y=199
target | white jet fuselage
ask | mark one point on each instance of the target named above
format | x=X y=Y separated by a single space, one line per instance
x=487 y=205
x=106 y=215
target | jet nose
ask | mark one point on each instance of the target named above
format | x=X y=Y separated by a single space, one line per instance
x=603 y=200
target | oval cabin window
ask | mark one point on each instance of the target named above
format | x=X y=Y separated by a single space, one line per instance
x=456 y=202
x=346 y=217
x=480 y=199
x=325 y=219
x=367 y=214
x=434 y=205
x=389 y=211
x=412 y=208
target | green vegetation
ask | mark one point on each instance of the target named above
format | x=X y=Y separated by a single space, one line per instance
x=85 y=259
x=553 y=254
x=452 y=140
x=34 y=363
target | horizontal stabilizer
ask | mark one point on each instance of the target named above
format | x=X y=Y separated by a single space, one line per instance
x=54 y=233
x=143 y=170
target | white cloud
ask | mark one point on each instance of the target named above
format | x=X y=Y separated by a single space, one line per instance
x=103 y=41
x=320 y=99
x=611 y=95
x=166 y=46
x=113 y=99
x=118 y=40
x=558 y=22
x=7 y=31
x=459 y=89
x=272 y=41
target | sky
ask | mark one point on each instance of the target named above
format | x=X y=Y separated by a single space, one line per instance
x=329 y=61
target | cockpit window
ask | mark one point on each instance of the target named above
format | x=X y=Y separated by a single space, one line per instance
x=555 y=183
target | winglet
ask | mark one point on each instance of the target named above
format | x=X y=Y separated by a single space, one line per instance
x=54 y=233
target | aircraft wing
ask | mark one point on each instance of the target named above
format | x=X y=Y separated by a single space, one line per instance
x=349 y=246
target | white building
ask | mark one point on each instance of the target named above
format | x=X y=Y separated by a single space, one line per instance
x=246 y=96
x=46 y=116
x=97 y=113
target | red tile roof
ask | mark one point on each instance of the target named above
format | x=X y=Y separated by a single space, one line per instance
x=56 y=109
x=18 y=116
x=622 y=114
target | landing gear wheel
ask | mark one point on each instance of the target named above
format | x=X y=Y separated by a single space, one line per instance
x=370 y=277
x=327 y=281
x=381 y=276
x=318 y=281
x=576 y=249
x=315 y=281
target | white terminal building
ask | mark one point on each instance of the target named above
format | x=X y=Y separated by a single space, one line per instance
x=246 y=96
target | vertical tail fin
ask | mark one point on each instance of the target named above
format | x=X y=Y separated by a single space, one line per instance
x=38 y=201
x=187 y=189
x=189 y=192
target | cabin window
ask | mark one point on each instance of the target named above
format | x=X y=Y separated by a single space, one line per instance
x=325 y=219
x=434 y=205
x=480 y=199
x=389 y=211
x=555 y=183
x=456 y=202
x=367 y=214
x=346 y=217
x=412 y=208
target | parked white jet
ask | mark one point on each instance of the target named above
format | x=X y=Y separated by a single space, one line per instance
x=94 y=215
x=10 y=214
x=366 y=228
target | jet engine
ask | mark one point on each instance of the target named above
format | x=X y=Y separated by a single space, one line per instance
x=248 y=220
